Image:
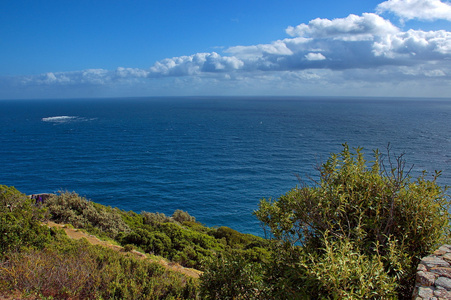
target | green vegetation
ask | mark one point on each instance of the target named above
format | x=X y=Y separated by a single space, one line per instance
x=76 y=270
x=20 y=221
x=69 y=208
x=232 y=276
x=357 y=233
x=37 y=262
x=178 y=238
x=59 y=268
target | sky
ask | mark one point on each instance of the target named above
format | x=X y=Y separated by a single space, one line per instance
x=133 y=48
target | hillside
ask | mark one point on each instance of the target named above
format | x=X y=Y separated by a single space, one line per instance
x=69 y=247
x=77 y=234
x=360 y=232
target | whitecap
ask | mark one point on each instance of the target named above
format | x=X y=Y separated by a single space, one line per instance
x=59 y=119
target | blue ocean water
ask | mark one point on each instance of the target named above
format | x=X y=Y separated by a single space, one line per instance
x=214 y=157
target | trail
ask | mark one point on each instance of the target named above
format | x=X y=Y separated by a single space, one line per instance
x=77 y=234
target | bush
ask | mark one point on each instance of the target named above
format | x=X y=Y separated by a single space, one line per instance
x=76 y=270
x=182 y=216
x=341 y=271
x=154 y=218
x=129 y=248
x=51 y=273
x=230 y=276
x=378 y=211
x=231 y=236
x=71 y=208
x=20 y=221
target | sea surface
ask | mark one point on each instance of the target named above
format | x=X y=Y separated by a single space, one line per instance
x=214 y=157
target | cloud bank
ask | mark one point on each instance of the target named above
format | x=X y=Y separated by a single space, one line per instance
x=361 y=53
x=428 y=10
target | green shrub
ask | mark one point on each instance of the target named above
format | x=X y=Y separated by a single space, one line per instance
x=343 y=272
x=70 y=208
x=182 y=216
x=231 y=236
x=76 y=270
x=179 y=238
x=179 y=216
x=230 y=276
x=128 y=248
x=378 y=209
x=20 y=221
x=154 y=218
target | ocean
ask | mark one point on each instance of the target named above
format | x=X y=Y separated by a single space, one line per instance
x=214 y=157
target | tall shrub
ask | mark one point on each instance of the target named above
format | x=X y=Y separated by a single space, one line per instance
x=378 y=210
x=20 y=221
x=66 y=207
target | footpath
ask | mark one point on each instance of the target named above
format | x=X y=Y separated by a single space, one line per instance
x=77 y=234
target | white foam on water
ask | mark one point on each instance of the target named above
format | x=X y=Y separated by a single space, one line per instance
x=59 y=119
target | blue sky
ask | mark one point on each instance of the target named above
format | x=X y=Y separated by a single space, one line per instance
x=70 y=49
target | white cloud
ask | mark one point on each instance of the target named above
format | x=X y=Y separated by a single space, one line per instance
x=94 y=76
x=314 y=56
x=428 y=10
x=131 y=72
x=323 y=53
x=415 y=44
x=84 y=77
x=195 y=65
x=351 y=28
x=435 y=73
x=248 y=52
x=368 y=41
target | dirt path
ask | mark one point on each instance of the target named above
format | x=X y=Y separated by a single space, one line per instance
x=78 y=234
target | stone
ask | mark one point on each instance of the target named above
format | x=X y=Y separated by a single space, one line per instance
x=426 y=278
x=442 y=294
x=432 y=261
x=441 y=271
x=433 y=278
x=425 y=293
x=422 y=267
x=446 y=248
x=444 y=282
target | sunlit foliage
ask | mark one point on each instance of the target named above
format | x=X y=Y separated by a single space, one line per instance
x=363 y=218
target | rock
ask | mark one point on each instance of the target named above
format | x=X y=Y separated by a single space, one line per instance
x=425 y=293
x=441 y=271
x=426 y=278
x=433 y=278
x=446 y=248
x=444 y=282
x=434 y=261
x=422 y=267
x=442 y=294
